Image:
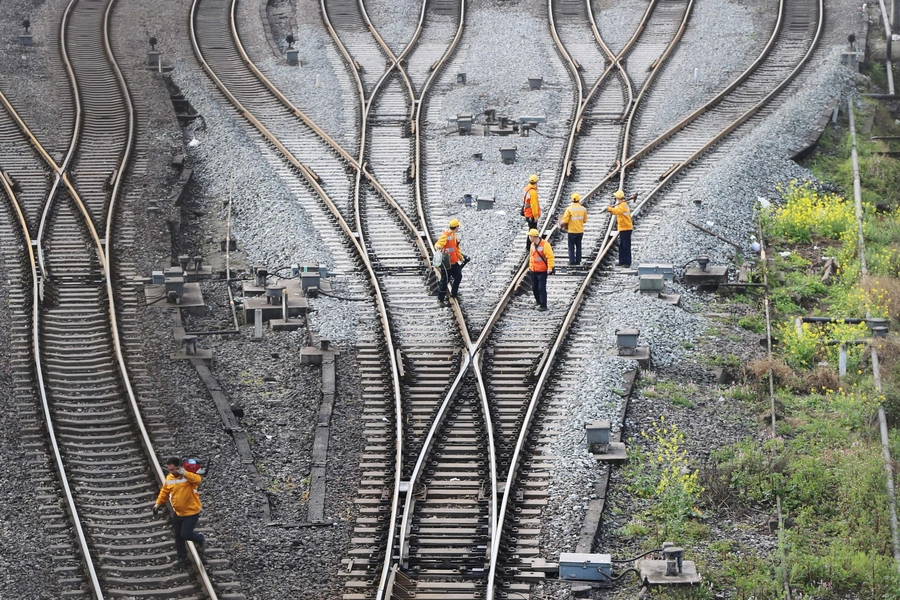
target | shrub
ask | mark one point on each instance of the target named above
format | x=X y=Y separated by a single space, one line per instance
x=663 y=473
x=807 y=212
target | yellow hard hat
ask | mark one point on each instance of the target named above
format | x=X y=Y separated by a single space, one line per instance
x=533 y=232
x=533 y=178
x=576 y=197
x=454 y=223
x=619 y=194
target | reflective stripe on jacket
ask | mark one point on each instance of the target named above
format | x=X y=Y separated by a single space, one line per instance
x=530 y=202
x=448 y=243
x=182 y=491
x=541 y=257
x=623 y=216
x=575 y=217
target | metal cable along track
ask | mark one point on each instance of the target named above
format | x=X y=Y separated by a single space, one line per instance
x=106 y=463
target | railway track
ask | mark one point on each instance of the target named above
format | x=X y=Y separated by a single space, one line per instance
x=449 y=554
x=107 y=466
x=422 y=347
x=524 y=475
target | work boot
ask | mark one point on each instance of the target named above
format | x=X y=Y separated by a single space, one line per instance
x=201 y=547
x=442 y=302
x=542 y=308
x=180 y=565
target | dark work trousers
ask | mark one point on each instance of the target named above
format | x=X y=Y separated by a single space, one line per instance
x=575 y=248
x=184 y=530
x=539 y=287
x=532 y=224
x=454 y=272
x=625 y=247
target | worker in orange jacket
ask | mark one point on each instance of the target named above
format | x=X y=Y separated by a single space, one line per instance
x=574 y=219
x=452 y=261
x=624 y=225
x=180 y=488
x=540 y=263
x=531 y=208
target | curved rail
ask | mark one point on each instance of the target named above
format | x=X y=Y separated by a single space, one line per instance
x=84 y=548
x=355 y=239
x=604 y=250
x=103 y=256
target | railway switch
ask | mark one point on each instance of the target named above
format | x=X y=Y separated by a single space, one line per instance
x=486 y=202
x=671 y=570
x=260 y=274
x=705 y=273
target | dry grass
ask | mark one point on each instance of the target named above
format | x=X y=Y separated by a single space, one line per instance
x=759 y=369
x=822 y=378
x=889 y=287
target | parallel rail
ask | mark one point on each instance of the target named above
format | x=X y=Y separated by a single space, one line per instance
x=92 y=415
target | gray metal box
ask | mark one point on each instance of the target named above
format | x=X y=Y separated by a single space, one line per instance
x=666 y=270
x=535 y=82
x=485 y=203
x=585 y=567
x=652 y=283
x=597 y=432
x=627 y=338
x=508 y=155
x=157 y=277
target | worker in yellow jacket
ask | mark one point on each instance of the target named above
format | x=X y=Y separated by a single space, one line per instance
x=180 y=488
x=574 y=219
x=624 y=225
x=452 y=261
x=531 y=207
x=540 y=264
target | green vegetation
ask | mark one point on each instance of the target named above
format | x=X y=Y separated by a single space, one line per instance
x=826 y=463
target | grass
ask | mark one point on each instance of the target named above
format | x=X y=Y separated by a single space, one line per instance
x=826 y=463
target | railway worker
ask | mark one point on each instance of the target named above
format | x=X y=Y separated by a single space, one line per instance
x=452 y=261
x=180 y=488
x=540 y=264
x=531 y=209
x=624 y=225
x=574 y=219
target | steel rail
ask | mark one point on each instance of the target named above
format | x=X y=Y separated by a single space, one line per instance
x=84 y=548
x=354 y=163
x=103 y=249
x=500 y=308
x=357 y=243
x=472 y=358
x=417 y=122
x=615 y=63
x=604 y=250
x=607 y=50
x=532 y=406
x=149 y=450
x=688 y=11
x=366 y=107
x=650 y=146
x=747 y=114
